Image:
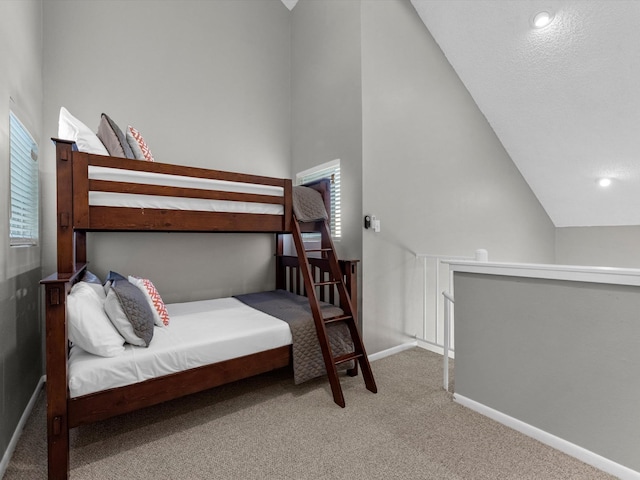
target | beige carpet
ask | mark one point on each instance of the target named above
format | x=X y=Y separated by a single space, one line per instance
x=268 y=428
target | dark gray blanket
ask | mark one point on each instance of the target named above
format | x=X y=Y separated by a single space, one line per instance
x=295 y=310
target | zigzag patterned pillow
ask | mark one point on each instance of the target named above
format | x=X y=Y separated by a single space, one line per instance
x=138 y=145
x=160 y=313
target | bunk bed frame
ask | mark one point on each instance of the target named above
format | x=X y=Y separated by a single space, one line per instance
x=76 y=217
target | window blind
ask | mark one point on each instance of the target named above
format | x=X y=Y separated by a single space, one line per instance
x=330 y=170
x=23 y=223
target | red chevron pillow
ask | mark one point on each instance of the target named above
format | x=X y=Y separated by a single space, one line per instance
x=160 y=313
x=138 y=145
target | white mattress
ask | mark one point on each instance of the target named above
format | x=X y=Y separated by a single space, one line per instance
x=111 y=199
x=200 y=333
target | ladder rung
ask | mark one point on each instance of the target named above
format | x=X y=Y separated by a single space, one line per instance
x=332 y=282
x=346 y=357
x=318 y=249
x=338 y=318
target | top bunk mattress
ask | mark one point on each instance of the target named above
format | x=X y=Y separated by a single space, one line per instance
x=200 y=333
x=111 y=199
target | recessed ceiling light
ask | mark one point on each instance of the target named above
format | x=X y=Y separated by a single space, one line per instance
x=604 y=182
x=542 y=19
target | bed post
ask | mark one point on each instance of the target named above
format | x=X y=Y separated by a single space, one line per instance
x=350 y=271
x=64 y=184
x=70 y=250
x=56 y=290
x=281 y=282
x=288 y=205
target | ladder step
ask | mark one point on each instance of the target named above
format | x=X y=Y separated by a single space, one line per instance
x=338 y=318
x=318 y=249
x=347 y=357
x=332 y=282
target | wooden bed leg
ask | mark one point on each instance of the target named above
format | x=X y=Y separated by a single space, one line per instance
x=58 y=446
x=56 y=346
x=350 y=272
x=281 y=279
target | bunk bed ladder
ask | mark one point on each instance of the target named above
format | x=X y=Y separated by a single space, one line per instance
x=327 y=250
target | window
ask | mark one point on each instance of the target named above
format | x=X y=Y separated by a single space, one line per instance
x=23 y=224
x=330 y=170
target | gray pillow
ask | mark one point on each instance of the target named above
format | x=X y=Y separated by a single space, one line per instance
x=113 y=138
x=130 y=312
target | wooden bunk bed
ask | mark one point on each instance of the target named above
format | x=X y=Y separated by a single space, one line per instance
x=321 y=279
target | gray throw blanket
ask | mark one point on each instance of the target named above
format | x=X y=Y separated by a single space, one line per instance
x=295 y=310
x=308 y=205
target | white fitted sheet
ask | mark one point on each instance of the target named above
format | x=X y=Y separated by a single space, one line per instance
x=111 y=199
x=200 y=333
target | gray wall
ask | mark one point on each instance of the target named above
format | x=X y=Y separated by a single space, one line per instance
x=560 y=356
x=326 y=105
x=326 y=92
x=434 y=173
x=207 y=84
x=599 y=246
x=20 y=328
x=371 y=87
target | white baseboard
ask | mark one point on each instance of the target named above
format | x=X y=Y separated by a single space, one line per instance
x=569 y=448
x=391 y=351
x=407 y=346
x=4 y=464
x=434 y=348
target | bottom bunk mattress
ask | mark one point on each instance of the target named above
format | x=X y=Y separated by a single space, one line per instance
x=201 y=333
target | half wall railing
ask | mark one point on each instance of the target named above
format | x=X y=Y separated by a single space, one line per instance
x=436 y=330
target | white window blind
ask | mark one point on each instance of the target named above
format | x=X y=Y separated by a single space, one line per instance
x=330 y=170
x=23 y=224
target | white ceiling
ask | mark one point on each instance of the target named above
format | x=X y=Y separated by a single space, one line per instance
x=564 y=100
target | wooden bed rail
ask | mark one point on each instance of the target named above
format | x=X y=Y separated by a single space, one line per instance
x=75 y=215
x=289 y=277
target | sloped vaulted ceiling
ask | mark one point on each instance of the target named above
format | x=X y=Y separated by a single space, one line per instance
x=564 y=100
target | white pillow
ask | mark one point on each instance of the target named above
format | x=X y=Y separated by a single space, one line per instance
x=98 y=288
x=70 y=128
x=95 y=283
x=88 y=324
